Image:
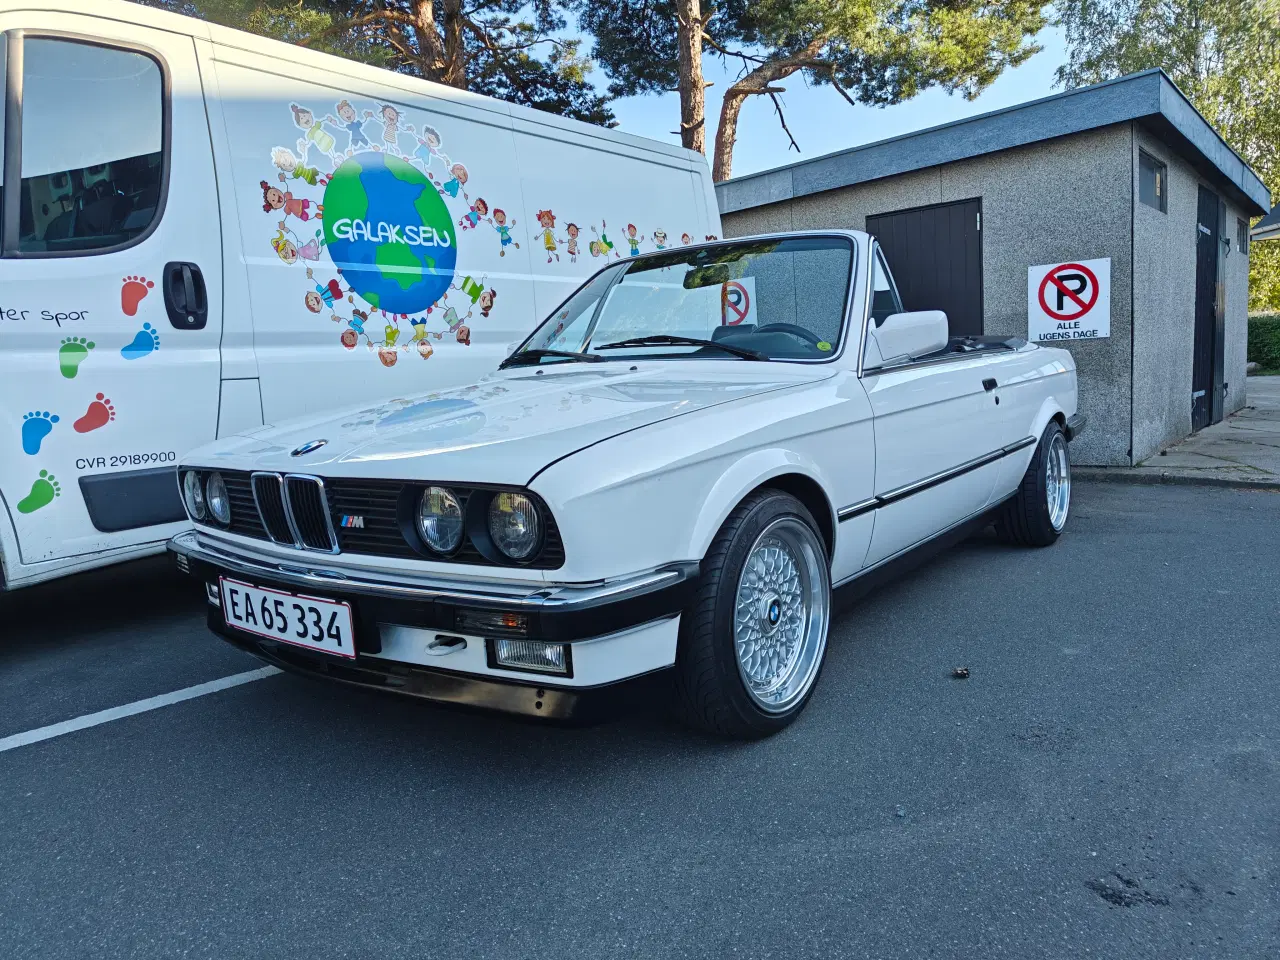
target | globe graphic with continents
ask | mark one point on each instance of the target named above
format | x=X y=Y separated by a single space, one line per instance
x=389 y=232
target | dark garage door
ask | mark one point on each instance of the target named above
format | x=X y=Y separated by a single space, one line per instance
x=935 y=254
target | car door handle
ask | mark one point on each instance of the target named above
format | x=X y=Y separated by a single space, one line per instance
x=988 y=384
x=185 y=297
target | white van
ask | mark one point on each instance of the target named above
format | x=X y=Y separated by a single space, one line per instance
x=204 y=231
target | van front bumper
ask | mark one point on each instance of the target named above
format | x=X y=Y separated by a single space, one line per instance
x=619 y=633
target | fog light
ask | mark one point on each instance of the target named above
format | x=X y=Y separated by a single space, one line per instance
x=491 y=623
x=212 y=594
x=534 y=655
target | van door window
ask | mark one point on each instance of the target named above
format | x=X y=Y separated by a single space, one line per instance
x=884 y=298
x=92 y=146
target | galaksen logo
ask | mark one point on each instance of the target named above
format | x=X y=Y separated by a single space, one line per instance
x=383 y=232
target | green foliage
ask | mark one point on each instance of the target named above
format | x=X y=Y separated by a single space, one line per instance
x=1264 y=276
x=883 y=51
x=1223 y=54
x=502 y=48
x=1264 y=340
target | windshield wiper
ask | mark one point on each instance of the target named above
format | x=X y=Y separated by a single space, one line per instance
x=670 y=340
x=533 y=356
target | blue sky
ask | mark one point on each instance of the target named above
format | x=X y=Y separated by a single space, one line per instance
x=822 y=121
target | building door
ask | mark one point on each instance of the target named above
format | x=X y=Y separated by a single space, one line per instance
x=935 y=254
x=1206 y=375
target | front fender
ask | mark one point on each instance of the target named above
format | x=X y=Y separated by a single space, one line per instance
x=754 y=470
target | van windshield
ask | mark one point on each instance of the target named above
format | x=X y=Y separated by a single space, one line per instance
x=780 y=299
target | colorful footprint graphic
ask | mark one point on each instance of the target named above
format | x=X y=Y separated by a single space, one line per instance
x=35 y=427
x=43 y=492
x=100 y=413
x=71 y=354
x=133 y=292
x=145 y=342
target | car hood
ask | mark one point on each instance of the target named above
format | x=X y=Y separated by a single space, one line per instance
x=504 y=428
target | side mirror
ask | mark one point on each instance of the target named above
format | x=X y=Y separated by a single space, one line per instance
x=904 y=336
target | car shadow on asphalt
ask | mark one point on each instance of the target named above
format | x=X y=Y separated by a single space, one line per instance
x=134 y=595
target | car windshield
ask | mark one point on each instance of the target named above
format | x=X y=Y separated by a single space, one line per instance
x=757 y=300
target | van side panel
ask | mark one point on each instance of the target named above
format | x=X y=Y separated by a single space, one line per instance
x=589 y=202
x=396 y=243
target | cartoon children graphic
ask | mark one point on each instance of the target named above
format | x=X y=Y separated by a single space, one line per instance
x=429 y=148
x=685 y=239
x=289 y=251
x=486 y=301
x=291 y=168
x=284 y=247
x=571 y=246
x=273 y=198
x=354 y=124
x=455 y=184
x=602 y=246
x=357 y=321
x=546 y=219
x=323 y=295
x=390 y=126
x=472 y=217
x=504 y=230
x=469 y=287
x=314 y=131
x=660 y=239
x=457 y=325
x=633 y=240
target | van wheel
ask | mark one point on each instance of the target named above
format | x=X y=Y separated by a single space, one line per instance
x=1036 y=514
x=753 y=641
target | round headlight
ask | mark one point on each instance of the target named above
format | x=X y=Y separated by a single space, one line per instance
x=514 y=525
x=215 y=497
x=193 y=495
x=440 y=519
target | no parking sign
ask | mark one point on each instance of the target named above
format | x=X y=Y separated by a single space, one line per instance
x=738 y=302
x=1069 y=301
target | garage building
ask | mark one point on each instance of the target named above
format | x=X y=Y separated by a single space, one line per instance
x=1002 y=220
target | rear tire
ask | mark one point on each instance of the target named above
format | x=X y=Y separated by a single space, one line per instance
x=753 y=641
x=1037 y=513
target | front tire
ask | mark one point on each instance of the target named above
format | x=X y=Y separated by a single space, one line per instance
x=753 y=641
x=1037 y=513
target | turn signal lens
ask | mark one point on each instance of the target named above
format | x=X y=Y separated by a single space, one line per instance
x=533 y=655
x=193 y=495
x=490 y=623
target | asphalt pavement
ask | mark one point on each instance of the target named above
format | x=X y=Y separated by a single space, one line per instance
x=1105 y=783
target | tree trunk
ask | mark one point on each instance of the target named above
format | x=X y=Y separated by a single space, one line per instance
x=756 y=82
x=693 y=89
x=431 y=58
x=455 y=50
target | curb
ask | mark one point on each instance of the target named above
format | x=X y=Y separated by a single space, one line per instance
x=1137 y=476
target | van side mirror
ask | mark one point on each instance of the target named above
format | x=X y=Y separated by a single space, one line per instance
x=901 y=337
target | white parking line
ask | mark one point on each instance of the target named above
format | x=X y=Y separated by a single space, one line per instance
x=129 y=709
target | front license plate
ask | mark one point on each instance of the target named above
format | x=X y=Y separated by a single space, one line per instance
x=303 y=621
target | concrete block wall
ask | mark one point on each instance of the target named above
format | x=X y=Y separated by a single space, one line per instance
x=1069 y=198
x=1164 y=295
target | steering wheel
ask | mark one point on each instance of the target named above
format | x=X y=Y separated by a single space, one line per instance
x=792 y=328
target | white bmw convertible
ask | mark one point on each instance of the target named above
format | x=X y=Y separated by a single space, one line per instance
x=672 y=478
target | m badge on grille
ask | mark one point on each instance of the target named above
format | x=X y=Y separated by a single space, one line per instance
x=352 y=522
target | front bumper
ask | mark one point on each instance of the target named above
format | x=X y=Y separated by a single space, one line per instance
x=618 y=630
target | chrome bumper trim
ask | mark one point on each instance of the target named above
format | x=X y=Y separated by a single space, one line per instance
x=549 y=597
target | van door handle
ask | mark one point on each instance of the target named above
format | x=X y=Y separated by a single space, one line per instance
x=185 y=297
x=988 y=384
